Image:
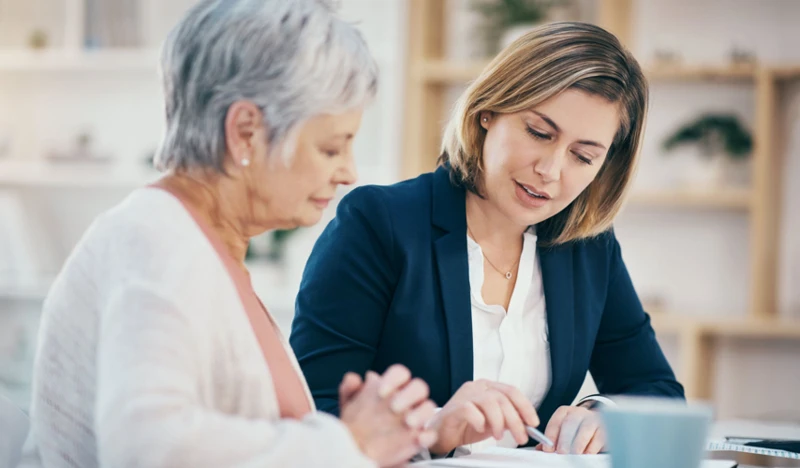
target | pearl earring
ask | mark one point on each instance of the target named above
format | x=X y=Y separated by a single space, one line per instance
x=245 y=162
x=485 y=119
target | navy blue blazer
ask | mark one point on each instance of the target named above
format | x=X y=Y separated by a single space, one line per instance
x=388 y=282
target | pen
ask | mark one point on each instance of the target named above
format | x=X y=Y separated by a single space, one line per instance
x=538 y=436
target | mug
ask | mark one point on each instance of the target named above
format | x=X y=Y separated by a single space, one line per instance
x=656 y=432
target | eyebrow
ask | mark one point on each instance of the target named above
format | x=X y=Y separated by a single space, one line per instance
x=558 y=130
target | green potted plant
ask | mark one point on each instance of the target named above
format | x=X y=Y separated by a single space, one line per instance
x=270 y=245
x=506 y=20
x=720 y=147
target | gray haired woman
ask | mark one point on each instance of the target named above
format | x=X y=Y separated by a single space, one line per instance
x=154 y=350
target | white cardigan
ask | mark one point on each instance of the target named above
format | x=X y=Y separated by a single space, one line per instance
x=146 y=358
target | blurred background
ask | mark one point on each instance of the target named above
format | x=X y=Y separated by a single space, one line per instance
x=711 y=233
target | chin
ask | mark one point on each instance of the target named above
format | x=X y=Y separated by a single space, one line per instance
x=529 y=217
x=308 y=219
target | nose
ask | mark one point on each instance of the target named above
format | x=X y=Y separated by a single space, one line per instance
x=347 y=173
x=549 y=166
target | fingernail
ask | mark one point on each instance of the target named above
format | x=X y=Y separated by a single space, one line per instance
x=384 y=391
x=397 y=405
x=427 y=438
x=412 y=422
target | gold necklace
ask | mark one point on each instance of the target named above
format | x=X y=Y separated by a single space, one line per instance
x=508 y=273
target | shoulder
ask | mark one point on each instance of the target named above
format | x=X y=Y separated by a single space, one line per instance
x=596 y=252
x=392 y=207
x=149 y=237
x=408 y=194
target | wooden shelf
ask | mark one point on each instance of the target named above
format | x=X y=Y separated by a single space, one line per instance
x=728 y=198
x=788 y=72
x=16 y=173
x=79 y=60
x=701 y=73
x=453 y=72
x=717 y=326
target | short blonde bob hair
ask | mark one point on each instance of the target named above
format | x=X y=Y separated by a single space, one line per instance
x=543 y=63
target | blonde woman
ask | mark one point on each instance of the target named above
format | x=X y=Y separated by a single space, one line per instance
x=154 y=350
x=498 y=278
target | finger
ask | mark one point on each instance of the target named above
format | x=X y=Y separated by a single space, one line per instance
x=474 y=417
x=351 y=383
x=489 y=406
x=419 y=416
x=513 y=421
x=598 y=443
x=394 y=377
x=554 y=427
x=372 y=382
x=414 y=393
x=569 y=430
x=523 y=405
x=586 y=431
x=427 y=438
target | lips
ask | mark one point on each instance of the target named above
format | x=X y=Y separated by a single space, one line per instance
x=533 y=192
x=321 y=202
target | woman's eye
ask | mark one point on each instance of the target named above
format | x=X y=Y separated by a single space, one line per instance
x=332 y=153
x=583 y=158
x=538 y=135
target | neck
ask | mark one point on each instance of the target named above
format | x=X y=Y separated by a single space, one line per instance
x=489 y=224
x=220 y=202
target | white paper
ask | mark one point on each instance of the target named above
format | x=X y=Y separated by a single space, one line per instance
x=498 y=457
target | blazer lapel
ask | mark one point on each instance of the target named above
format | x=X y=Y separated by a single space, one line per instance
x=449 y=214
x=559 y=293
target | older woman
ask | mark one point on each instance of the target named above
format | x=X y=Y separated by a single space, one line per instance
x=155 y=351
x=498 y=278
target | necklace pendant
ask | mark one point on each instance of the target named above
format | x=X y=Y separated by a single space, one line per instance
x=508 y=275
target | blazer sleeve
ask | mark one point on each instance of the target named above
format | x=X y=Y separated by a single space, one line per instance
x=626 y=358
x=344 y=296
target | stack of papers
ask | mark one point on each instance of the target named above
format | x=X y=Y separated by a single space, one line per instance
x=518 y=458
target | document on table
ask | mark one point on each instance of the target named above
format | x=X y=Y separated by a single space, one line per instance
x=497 y=457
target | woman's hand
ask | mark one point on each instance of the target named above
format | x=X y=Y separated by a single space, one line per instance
x=479 y=410
x=387 y=414
x=575 y=430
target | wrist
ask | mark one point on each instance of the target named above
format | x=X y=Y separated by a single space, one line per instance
x=595 y=402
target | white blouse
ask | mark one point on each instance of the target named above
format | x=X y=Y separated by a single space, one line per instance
x=511 y=346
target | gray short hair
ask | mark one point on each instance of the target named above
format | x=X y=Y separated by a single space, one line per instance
x=294 y=59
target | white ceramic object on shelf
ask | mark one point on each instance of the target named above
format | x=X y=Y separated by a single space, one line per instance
x=703 y=172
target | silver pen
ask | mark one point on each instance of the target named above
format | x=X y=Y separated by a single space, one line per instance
x=538 y=436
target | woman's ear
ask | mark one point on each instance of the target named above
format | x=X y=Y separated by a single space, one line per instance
x=485 y=119
x=242 y=123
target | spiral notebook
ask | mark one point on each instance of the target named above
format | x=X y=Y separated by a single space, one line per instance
x=745 y=445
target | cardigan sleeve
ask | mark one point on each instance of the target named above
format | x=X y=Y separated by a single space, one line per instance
x=149 y=411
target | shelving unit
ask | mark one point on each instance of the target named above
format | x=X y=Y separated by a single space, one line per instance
x=111 y=174
x=127 y=60
x=430 y=75
x=29 y=172
x=739 y=199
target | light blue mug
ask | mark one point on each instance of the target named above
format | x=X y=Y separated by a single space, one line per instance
x=656 y=433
